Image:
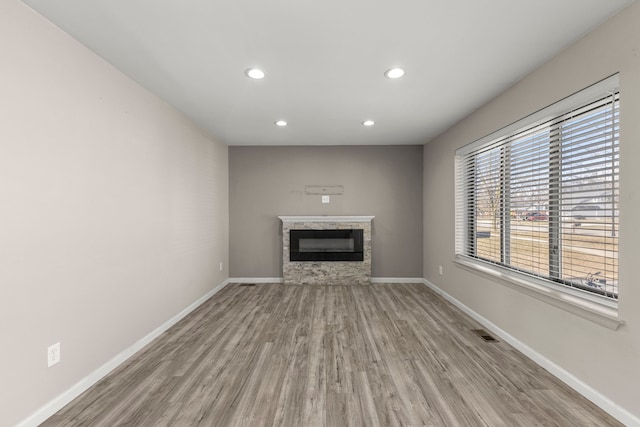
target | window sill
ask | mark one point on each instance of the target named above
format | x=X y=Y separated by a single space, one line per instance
x=600 y=311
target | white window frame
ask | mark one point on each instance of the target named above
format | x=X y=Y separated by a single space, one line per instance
x=601 y=310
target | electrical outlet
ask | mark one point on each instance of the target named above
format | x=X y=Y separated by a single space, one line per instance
x=440 y=270
x=53 y=354
x=326 y=199
x=220 y=265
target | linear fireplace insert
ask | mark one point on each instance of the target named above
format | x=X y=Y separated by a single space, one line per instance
x=326 y=245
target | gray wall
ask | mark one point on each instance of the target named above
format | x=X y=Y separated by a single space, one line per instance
x=603 y=359
x=385 y=181
x=114 y=211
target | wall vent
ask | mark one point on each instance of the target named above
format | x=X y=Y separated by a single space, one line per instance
x=484 y=335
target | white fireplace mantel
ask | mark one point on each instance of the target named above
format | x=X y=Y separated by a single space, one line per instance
x=326 y=218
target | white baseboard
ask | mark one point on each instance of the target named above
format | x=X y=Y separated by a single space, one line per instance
x=606 y=404
x=397 y=280
x=256 y=280
x=76 y=390
x=281 y=280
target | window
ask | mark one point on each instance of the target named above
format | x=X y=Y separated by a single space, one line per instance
x=540 y=197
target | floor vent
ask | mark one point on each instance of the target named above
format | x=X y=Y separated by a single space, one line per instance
x=247 y=284
x=485 y=335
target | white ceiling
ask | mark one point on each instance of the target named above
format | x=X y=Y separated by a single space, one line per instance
x=325 y=59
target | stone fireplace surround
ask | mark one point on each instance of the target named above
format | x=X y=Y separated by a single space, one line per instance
x=326 y=272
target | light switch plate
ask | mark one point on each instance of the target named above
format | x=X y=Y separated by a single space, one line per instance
x=326 y=199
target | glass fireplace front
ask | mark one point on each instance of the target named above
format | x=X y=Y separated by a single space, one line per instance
x=326 y=245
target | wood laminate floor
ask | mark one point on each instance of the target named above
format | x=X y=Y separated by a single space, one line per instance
x=378 y=355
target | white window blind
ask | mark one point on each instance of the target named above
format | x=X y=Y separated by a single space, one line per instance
x=540 y=197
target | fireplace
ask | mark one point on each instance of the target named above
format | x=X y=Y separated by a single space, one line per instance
x=326 y=245
x=326 y=250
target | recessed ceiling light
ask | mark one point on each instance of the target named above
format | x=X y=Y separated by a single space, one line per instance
x=394 y=73
x=368 y=123
x=254 y=73
x=281 y=123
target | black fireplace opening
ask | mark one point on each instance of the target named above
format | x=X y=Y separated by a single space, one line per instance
x=326 y=245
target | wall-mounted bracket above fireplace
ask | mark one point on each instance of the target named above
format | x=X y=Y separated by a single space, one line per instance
x=322 y=190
